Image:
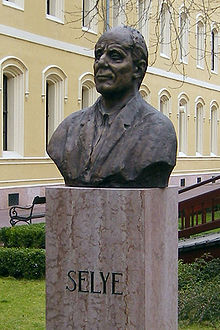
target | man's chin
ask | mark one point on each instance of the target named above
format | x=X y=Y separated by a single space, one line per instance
x=106 y=90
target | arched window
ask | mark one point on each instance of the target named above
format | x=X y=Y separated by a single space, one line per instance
x=87 y=91
x=214 y=128
x=184 y=26
x=54 y=91
x=14 y=88
x=182 y=124
x=200 y=43
x=145 y=92
x=214 y=50
x=199 y=114
x=118 y=14
x=165 y=102
x=165 y=31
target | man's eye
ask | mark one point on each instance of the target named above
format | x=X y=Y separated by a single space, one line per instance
x=98 y=55
x=115 y=56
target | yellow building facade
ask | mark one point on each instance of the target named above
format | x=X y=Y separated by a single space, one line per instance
x=46 y=61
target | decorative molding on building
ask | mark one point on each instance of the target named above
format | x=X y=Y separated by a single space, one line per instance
x=65 y=46
x=19 y=64
x=179 y=77
x=35 y=182
x=44 y=41
x=56 y=71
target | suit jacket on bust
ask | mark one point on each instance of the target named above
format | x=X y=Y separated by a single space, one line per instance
x=137 y=150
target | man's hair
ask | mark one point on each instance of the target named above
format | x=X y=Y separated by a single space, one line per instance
x=138 y=46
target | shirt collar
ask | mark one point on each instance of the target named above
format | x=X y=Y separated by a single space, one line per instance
x=126 y=113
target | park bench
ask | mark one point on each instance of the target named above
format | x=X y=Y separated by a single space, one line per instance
x=26 y=214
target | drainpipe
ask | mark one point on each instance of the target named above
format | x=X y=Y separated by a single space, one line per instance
x=107 y=15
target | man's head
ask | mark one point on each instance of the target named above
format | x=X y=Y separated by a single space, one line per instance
x=121 y=60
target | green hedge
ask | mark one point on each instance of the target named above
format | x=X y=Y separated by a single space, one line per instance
x=22 y=263
x=27 y=236
x=199 y=291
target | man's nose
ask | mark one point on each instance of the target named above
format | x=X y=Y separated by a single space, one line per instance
x=103 y=60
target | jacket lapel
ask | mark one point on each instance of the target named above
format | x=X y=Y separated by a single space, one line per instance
x=118 y=128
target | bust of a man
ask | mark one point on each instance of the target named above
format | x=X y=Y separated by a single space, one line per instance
x=120 y=141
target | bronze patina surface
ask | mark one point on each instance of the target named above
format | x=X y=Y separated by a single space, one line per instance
x=120 y=141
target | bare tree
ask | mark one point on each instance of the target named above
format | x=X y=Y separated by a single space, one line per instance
x=148 y=15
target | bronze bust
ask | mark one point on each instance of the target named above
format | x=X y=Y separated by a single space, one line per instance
x=121 y=141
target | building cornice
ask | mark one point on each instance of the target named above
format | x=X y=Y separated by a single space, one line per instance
x=183 y=79
x=44 y=41
x=79 y=50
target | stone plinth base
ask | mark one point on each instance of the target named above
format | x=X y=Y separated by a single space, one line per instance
x=111 y=258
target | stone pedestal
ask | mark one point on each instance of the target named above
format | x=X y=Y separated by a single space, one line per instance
x=111 y=258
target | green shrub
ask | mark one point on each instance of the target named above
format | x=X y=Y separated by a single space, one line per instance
x=199 y=291
x=200 y=271
x=28 y=236
x=22 y=263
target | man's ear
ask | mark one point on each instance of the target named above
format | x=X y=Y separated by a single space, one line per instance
x=139 y=69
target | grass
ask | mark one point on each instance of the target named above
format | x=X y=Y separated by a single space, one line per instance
x=200 y=326
x=22 y=304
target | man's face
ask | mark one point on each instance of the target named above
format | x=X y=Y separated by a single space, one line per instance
x=113 y=67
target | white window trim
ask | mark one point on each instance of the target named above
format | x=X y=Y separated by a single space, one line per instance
x=200 y=62
x=87 y=80
x=54 y=70
x=215 y=104
x=146 y=91
x=215 y=133
x=54 y=19
x=199 y=100
x=165 y=54
x=144 y=26
x=185 y=98
x=59 y=78
x=165 y=92
x=59 y=18
x=93 y=23
x=15 y=67
x=14 y=5
x=214 y=27
x=184 y=59
x=121 y=18
x=85 y=29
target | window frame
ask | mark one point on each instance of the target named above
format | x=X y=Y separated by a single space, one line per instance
x=214 y=132
x=165 y=35
x=58 y=16
x=183 y=105
x=162 y=95
x=184 y=37
x=199 y=126
x=214 y=50
x=17 y=73
x=17 y=4
x=54 y=75
x=91 y=25
x=86 y=81
x=200 y=43
x=143 y=14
